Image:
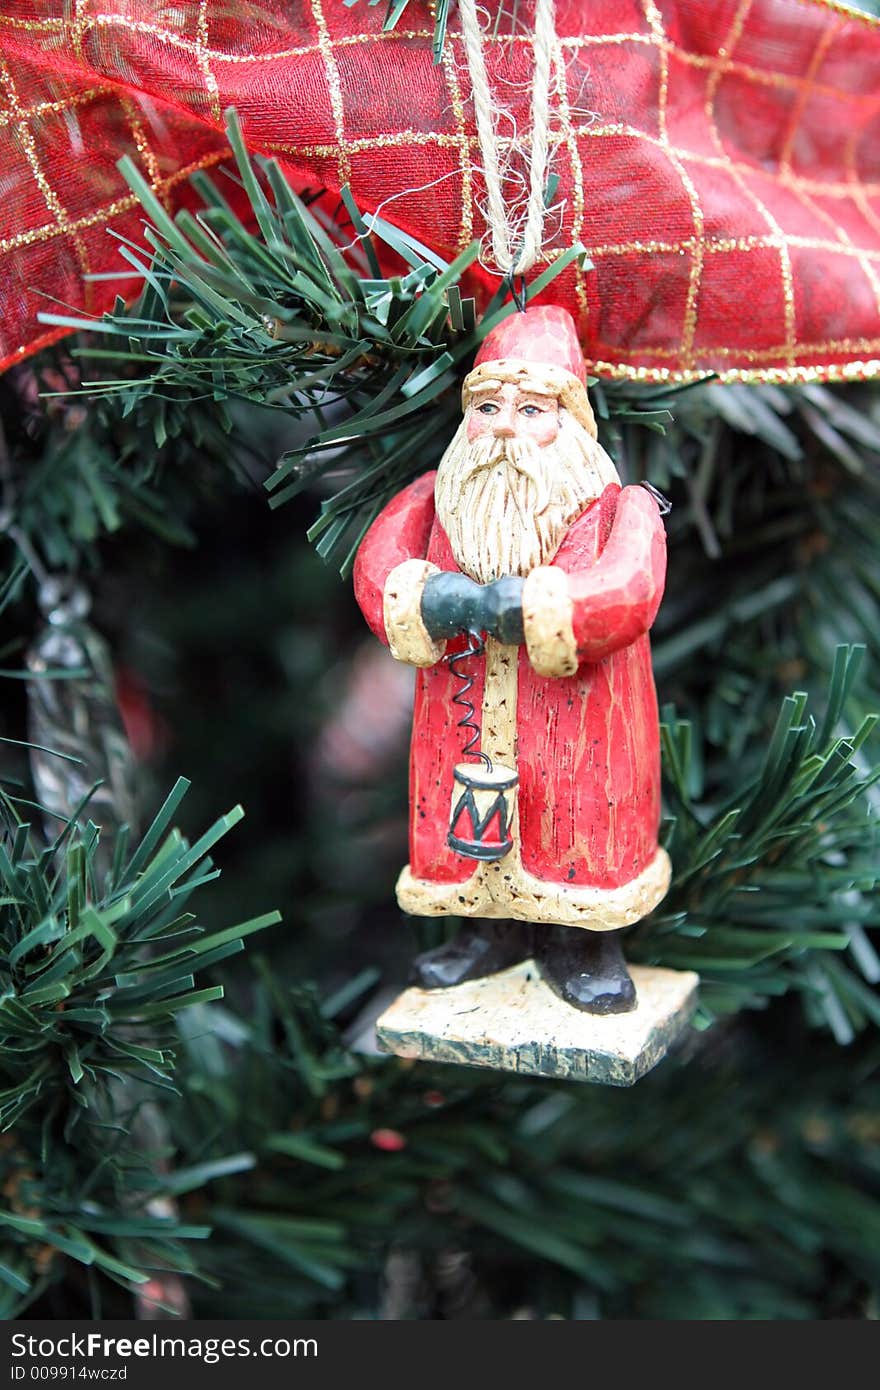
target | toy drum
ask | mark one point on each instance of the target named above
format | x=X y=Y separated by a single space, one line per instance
x=483 y=805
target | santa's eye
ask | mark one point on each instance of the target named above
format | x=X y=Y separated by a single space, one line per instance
x=488 y=408
x=530 y=410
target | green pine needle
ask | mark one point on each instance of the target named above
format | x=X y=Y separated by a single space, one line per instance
x=93 y=977
x=778 y=874
x=296 y=316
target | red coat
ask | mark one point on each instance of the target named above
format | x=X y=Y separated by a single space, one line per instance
x=586 y=746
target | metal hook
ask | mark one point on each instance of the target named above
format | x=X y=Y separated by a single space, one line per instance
x=520 y=295
x=663 y=503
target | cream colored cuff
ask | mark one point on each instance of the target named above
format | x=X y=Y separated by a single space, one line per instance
x=408 y=638
x=548 y=614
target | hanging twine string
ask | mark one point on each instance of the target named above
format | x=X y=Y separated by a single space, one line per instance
x=516 y=238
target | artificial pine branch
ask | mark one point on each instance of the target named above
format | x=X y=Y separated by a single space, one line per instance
x=441 y=9
x=780 y=873
x=773 y=554
x=73 y=473
x=94 y=972
x=717 y=1190
x=723 y=1192
x=299 y=316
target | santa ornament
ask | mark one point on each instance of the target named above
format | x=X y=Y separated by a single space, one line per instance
x=522 y=580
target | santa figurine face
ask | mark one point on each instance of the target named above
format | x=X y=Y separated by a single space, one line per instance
x=508 y=411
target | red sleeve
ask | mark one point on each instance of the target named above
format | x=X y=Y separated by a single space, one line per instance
x=616 y=598
x=400 y=532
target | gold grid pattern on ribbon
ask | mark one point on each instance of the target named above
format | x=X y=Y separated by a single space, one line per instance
x=778 y=361
x=18 y=118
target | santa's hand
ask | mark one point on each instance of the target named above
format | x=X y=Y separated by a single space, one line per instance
x=452 y=603
x=502 y=610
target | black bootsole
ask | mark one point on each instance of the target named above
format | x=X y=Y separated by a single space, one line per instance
x=497 y=955
x=566 y=955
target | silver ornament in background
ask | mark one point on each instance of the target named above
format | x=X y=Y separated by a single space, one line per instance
x=72 y=709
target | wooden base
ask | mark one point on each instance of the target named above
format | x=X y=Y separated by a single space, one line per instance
x=514 y=1022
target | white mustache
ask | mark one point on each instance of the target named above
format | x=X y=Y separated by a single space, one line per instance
x=520 y=456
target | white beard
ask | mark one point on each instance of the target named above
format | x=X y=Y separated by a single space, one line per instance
x=506 y=504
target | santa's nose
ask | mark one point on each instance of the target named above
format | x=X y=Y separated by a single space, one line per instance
x=503 y=424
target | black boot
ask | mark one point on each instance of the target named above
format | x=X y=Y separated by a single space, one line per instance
x=482 y=947
x=585 y=968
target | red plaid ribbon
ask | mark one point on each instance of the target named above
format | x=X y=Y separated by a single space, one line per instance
x=720 y=162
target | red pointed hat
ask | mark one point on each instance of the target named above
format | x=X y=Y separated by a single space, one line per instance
x=538 y=349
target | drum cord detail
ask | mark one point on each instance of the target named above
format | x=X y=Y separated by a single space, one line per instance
x=476 y=647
